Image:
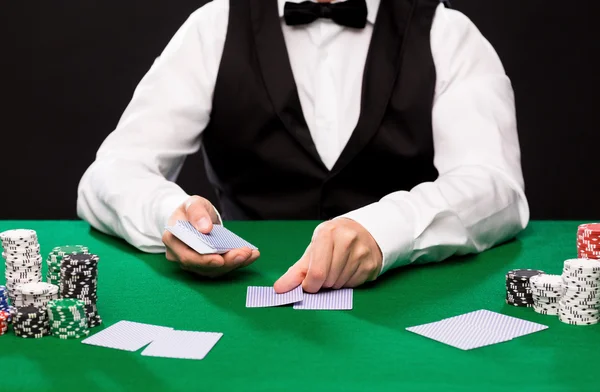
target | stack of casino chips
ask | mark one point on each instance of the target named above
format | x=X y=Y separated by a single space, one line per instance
x=518 y=289
x=36 y=294
x=546 y=291
x=588 y=241
x=23 y=259
x=54 y=260
x=68 y=318
x=79 y=280
x=31 y=322
x=580 y=303
x=4 y=320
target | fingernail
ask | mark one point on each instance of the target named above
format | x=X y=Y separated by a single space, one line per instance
x=239 y=259
x=203 y=224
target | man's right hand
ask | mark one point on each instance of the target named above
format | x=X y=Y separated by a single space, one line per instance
x=201 y=213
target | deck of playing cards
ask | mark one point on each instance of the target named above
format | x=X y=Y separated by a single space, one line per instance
x=265 y=296
x=219 y=240
x=476 y=329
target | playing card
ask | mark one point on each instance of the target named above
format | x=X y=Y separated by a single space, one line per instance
x=126 y=335
x=500 y=324
x=191 y=239
x=261 y=297
x=326 y=300
x=456 y=332
x=182 y=344
x=476 y=329
x=219 y=240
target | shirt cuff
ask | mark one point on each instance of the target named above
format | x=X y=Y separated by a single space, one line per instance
x=167 y=207
x=391 y=223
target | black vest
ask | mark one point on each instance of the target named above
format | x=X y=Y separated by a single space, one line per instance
x=258 y=151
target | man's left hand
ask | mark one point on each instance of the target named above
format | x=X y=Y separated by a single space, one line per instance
x=342 y=253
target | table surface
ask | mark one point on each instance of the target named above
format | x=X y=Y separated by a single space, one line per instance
x=367 y=348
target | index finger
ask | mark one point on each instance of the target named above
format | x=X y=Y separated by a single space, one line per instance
x=320 y=262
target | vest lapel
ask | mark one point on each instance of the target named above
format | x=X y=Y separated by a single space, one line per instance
x=381 y=70
x=277 y=73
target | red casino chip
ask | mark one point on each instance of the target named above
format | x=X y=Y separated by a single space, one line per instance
x=588 y=241
x=4 y=317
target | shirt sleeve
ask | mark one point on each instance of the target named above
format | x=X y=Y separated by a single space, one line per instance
x=129 y=190
x=478 y=199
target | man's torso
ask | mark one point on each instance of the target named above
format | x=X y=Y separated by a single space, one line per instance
x=271 y=144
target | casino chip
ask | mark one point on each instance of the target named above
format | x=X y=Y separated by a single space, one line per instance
x=79 y=280
x=31 y=322
x=588 y=241
x=21 y=251
x=4 y=317
x=518 y=290
x=35 y=294
x=546 y=291
x=580 y=303
x=68 y=319
x=18 y=237
x=55 y=258
x=4 y=304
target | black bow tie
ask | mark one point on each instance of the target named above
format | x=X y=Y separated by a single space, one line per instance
x=350 y=13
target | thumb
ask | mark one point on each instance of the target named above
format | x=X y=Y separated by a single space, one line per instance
x=294 y=275
x=197 y=210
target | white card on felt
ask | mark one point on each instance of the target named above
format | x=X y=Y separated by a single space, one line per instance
x=182 y=344
x=476 y=329
x=126 y=335
x=219 y=240
x=265 y=296
x=341 y=299
x=501 y=324
x=454 y=332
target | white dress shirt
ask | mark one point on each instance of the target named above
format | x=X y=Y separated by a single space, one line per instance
x=477 y=201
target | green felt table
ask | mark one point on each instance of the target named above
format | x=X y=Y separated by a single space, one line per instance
x=282 y=349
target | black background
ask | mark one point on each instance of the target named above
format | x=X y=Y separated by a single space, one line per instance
x=70 y=67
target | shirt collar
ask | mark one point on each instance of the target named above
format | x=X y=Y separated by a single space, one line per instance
x=372 y=7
